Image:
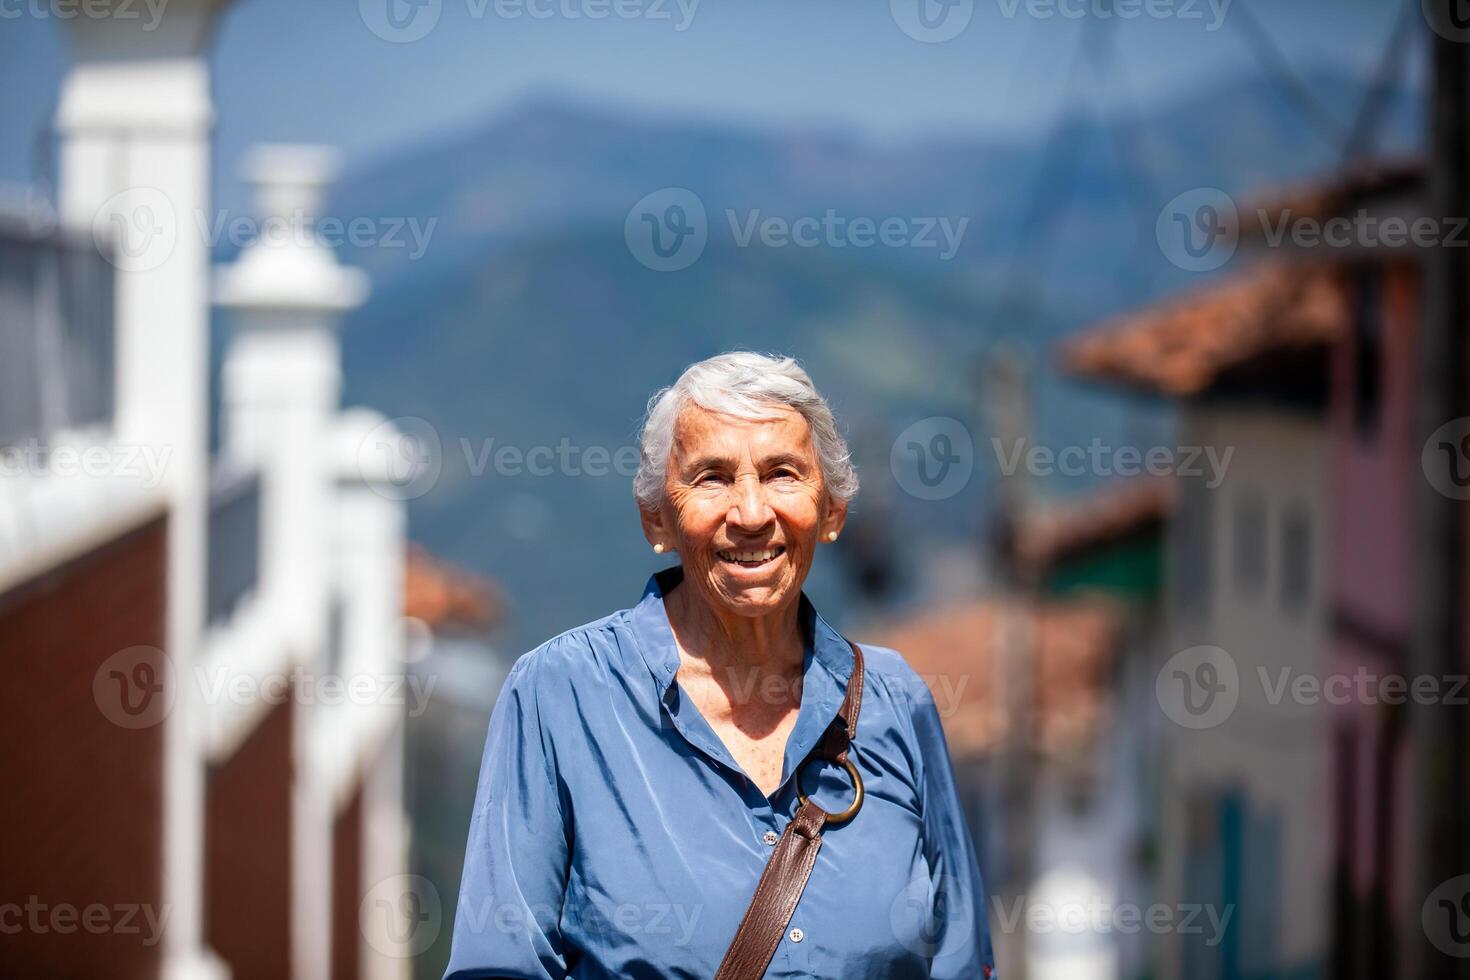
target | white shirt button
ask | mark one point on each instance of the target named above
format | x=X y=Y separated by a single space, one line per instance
x=797 y=935
x=771 y=838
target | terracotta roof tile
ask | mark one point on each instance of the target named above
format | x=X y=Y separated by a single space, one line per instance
x=1340 y=192
x=446 y=595
x=955 y=648
x=1055 y=530
x=1182 y=346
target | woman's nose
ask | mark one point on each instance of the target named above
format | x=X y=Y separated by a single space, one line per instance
x=749 y=510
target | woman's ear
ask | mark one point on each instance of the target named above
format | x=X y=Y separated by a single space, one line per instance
x=834 y=520
x=653 y=528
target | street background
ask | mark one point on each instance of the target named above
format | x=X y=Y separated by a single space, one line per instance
x=325 y=335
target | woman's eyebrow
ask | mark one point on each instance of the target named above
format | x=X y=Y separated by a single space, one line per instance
x=711 y=461
x=706 y=462
x=794 y=460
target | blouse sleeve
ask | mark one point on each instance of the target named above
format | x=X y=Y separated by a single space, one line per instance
x=961 y=931
x=506 y=924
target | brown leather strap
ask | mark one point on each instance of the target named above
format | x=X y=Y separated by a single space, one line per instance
x=833 y=746
x=786 y=874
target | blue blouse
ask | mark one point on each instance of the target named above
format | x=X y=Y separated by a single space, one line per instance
x=614 y=836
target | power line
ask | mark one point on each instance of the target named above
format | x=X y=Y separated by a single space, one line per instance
x=1052 y=192
x=1096 y=51
x=1275 y=62
x=1367 y=122
x=1370 y=118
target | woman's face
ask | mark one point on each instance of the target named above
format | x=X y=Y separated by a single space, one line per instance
x=745 y=505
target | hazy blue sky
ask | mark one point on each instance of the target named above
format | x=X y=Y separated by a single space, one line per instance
x=317 y=71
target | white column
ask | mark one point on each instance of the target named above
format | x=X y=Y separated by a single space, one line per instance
x=134 y=119
x=281 y=391
x=370 y=550
x=385 y=840
x=282 y=378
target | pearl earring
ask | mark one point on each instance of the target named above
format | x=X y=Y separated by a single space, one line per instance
x=831 y=535
x=658 y=549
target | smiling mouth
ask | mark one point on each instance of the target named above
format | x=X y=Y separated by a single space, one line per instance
x=751 y=557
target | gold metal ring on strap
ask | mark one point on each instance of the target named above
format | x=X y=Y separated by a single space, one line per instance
x=857 y=795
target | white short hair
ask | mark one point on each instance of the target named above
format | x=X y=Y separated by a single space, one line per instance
x=745 y=385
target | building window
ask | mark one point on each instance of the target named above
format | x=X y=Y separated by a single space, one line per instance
x=1249 y=557
x=1296 y=558
x=1367 y=349
x=1193 y=547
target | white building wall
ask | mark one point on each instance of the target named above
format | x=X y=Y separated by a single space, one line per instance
x=134 y=118
x=332 y=539
x=1275 y=753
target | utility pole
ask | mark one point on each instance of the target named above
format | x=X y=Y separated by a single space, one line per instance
x=1439 y=730
x=1009 y=402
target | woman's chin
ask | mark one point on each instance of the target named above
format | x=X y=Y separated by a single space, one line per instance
x=748 y=594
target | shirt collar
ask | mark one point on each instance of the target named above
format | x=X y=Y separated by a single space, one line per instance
x=650 y=621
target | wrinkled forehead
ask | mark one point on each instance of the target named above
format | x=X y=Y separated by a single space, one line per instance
x=701 y=433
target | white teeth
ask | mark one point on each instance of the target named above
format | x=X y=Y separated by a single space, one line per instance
x=750 y=556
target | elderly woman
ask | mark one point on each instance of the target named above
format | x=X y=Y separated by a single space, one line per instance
x=714 y=782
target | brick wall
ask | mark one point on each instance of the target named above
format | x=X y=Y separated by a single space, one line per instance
x=81 y=770
x=247 y=917
x=347 y=890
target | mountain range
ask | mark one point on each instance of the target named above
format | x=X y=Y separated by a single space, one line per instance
x=529 y=320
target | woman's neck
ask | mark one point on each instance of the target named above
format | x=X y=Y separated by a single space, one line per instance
x=771 y=643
